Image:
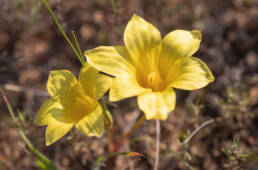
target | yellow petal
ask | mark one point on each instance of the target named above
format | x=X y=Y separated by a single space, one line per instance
x=112 y=60
x=142 y=39
x=192 y=74
x=157 y=105
x=55 y=130
x=60 y=81
x=44 y=114
x=76 y=104
x=87 y=78
x=181 y=43
x=103 y=83
x=92 y=124
x=125 y=86
x=94 y=84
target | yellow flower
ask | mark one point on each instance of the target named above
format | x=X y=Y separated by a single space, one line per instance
x=73 y=103
x=149 y=67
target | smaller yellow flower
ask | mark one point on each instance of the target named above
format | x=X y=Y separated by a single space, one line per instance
x=73 y=103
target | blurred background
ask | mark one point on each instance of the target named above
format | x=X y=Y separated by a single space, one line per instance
x=31 y=45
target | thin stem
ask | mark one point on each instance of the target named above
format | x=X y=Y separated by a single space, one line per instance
x=77 y=46
x=157 y=145
x=108 y=121
x=108 y=117
x=197 y=130
x=62 y=31
x=110 y=137
x=38 y=154
x=126 y=135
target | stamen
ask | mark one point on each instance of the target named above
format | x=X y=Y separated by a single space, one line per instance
x=154 y=81
x=152 y=77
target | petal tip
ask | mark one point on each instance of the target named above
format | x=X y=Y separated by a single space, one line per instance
x=86 y=52
x=197 y=34
x=135 y=16
x=52 y=73
x=48 y=141
x=212 y=78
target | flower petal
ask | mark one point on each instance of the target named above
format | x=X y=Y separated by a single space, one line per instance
x=112 y=60
x=157 y=105
x=181 y=43
x=192 y=74
x=125 y=86
x=103 y=83
x=76 y=104
x=142 y=39
x=94 y=84
x=60 y=81
x=93 y=123
x=55 y=130
x=44 y=114
x=87 y=78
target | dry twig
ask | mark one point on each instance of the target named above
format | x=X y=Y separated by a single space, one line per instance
x=197 y=130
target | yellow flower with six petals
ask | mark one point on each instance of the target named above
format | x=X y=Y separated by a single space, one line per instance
x=73 y=103
x=149 y=67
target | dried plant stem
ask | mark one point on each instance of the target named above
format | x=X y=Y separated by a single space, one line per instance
x=197 y=130
x=126 y=135
x=17 y=88
x=110 y=137
x=156 y=165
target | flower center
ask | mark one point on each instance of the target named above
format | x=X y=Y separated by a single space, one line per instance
x=76 y=104
x=151 y=80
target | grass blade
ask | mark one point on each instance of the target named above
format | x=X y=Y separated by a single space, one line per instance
x=62 y=31
x=45 y=161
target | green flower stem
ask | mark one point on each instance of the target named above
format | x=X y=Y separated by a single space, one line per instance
x=126 y=135
x=62 y=31
x=47 y=163
x=108 y=116
x=108 y=125
x=77 y=46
